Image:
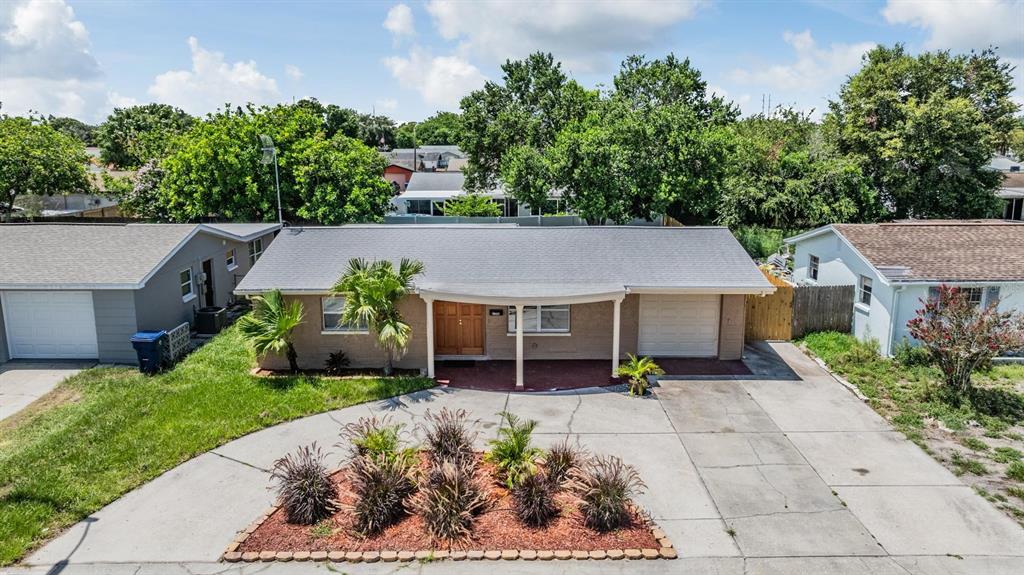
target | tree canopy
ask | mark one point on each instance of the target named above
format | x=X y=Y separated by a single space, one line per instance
x=216 y=169
x=132 y=136
x=74 y=128
x=924 y=127
x=37 y=159
x=441 y=129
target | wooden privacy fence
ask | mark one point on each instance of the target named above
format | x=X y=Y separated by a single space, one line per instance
x=793 y=311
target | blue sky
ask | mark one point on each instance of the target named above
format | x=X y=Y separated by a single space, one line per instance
x=409 y=59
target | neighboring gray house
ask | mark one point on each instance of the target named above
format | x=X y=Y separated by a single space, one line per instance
x=897 y=265
x=81 y=290
x=583 y=293
x=427 y=192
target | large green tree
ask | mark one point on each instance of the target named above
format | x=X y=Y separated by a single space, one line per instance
x=74 y=128
x=132 y=136
x=783 y=174
x=529 y=107
x=216 y=169
x=37 y=159
x=442 y=128
x=924 y=127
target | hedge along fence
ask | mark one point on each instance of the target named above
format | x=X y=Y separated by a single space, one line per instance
x=793 y=311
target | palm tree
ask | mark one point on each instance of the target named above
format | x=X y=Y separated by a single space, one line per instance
x=637 y=369
x=269 y=327
x=372 y=291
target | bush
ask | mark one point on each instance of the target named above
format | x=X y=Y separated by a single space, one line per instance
x=449 y=500
x=448 y=436
x=336 y=363
x=381 y=485
x=534 y=499
x=511 y=452
x=606 y=487
x=758 y=241
x=909 y=355
x=304 y=486
x=373 y=436
x=561 y=459
x=637 y=369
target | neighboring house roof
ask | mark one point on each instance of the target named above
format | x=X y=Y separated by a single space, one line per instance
x=1010 y=193
x=516 y=263
x=99 y=256
x=1004 y=163
x=937 y=250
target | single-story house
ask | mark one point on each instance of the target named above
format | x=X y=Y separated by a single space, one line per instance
x=428 y=158
x=398 y=176
x=896 y=266
x=81 y=290
x=427 y=192
x=583 y=293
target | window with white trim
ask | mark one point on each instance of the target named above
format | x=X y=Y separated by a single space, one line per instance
x=185 y=279
x=331 y=308
x=864 y=290
x=978 y=296
x=229 y=259
x=812 y=267
x=541 y=319
x=255 y=250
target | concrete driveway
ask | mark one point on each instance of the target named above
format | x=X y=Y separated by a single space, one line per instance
x=22 y=382
x=784 y=472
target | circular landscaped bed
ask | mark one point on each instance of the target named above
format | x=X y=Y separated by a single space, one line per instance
x=391 y=502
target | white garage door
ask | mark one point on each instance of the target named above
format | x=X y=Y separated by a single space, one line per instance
x=679 y=326
x=50 y=324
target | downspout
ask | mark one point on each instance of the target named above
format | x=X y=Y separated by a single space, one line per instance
x=892 y=317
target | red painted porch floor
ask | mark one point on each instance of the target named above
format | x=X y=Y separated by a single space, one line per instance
x=550 y=375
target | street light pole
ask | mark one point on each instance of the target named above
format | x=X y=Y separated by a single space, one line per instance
x=270 y=156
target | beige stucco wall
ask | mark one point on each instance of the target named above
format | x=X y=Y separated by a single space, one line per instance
x=732 y=326
x=590 y=335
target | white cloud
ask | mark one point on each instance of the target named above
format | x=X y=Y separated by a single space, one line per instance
x=212 y=82
x=441 y=80
x=807 y=82
x=963 y=26
x=399 y=21
x=386 y=105
x=582 y=35
x=45 y=62
x=115 y=100
x=293 y=72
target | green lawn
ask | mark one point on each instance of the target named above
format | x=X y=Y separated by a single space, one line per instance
x=109 y=430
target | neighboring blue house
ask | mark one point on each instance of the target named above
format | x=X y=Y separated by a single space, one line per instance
x=81 y=290
x=895 y=266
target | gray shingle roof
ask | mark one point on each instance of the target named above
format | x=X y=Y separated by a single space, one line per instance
x=514 y=262
x=436 y=181
x=83 y=256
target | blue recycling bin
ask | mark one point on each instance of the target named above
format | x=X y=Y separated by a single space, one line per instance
x=151 y=348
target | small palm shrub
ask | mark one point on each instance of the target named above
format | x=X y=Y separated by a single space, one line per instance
x=605 y=486
x=373 y=436
x=449 y=500
x=534 y=499
x=636 y=369
x=448 y=436
x=270 y=327
x=304 y=486
x=511 y=452
x=336 y=364
x=561 y=459
x=381 y=486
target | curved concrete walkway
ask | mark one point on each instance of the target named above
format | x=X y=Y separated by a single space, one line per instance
x=807 y=477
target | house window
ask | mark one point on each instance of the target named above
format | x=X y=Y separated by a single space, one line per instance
x=974 y=295
x=187 y=291
x=541 y=319
x=332 y=308
x=864 y=291
x=229 y=259
x=255 y=250
x=420 y=207
x=812 y=268
x=978 y=296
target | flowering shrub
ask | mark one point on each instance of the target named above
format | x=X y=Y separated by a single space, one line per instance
x=961 y=336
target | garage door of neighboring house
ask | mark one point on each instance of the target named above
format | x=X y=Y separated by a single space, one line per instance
x=50 y=324
x=679 y=325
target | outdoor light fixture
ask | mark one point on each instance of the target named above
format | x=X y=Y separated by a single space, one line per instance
x=270 y=157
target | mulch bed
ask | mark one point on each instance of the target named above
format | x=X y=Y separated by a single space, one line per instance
x=495 y=528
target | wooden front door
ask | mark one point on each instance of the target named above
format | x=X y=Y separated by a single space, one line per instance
x=458 y=328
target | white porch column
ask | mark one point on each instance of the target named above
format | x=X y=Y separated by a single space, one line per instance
x=519 y=346
x=430 y=337
x=616 y=321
